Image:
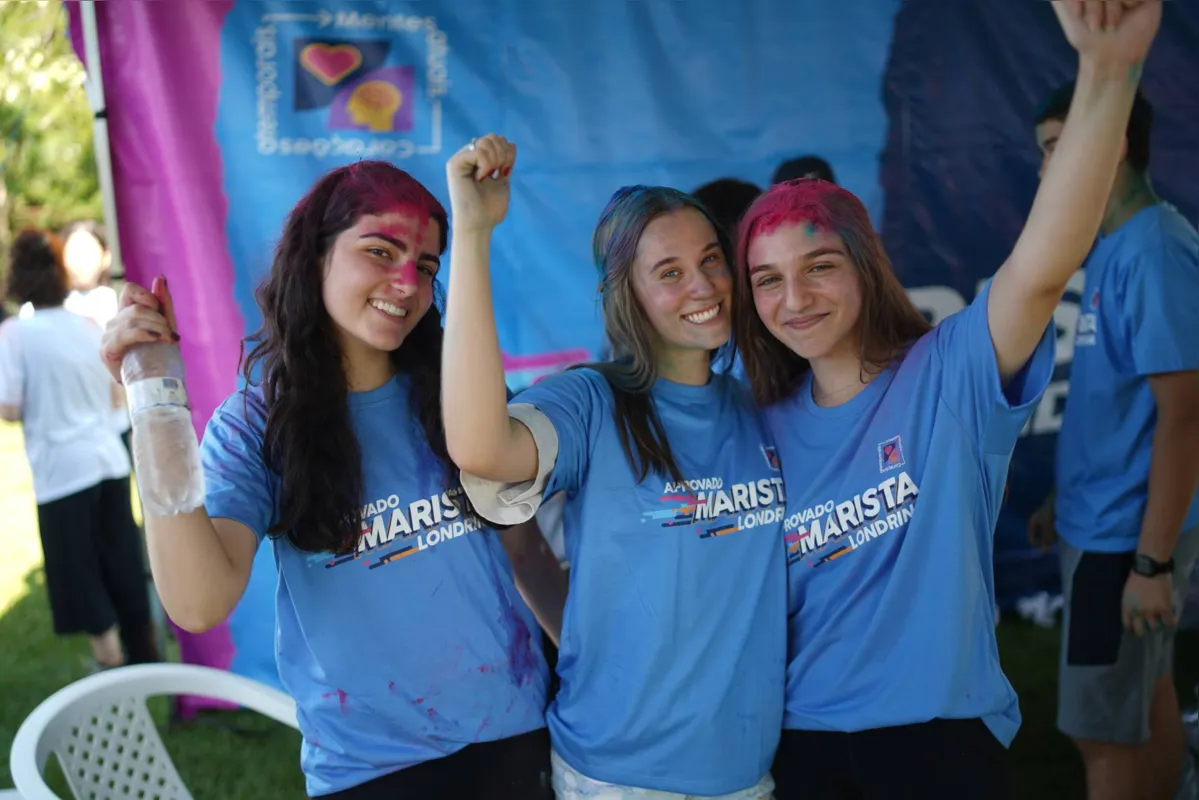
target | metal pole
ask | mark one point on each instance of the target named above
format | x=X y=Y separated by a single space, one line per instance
x=94 y=86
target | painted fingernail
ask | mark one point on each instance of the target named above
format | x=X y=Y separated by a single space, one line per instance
x=174 y=336
x=507 y=171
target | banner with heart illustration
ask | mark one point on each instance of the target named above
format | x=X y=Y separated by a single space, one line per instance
x=923 y=107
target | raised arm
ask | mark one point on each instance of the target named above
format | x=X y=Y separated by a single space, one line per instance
x=200 y=565
x=1112 y=40
x=481 y=437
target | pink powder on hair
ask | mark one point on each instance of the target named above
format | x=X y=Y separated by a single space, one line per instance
x=808 y=200
x=383 y=189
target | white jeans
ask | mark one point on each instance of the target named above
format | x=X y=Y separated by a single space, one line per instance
x=570 y=784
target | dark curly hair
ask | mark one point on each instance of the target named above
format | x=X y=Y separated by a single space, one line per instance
x=35 y=271
x=308 y=441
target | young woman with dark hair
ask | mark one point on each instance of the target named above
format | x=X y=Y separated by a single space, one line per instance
x=895 y=441
x=672 y=643
x=416 y=666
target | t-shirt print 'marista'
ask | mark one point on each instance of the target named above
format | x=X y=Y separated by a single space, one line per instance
x=892 y=500
x=420 y=524
x=416 y=644
x=673 y=646
x=827 y=531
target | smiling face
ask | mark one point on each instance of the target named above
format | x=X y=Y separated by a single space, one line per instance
x=378 y=279
x=682 y=281
x=806 y=290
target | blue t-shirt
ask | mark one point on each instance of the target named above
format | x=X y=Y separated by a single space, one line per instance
x=1137 y=319
x=673 y=648
x=892 y=596
x=416 y=645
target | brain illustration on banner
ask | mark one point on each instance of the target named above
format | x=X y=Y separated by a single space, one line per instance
x=309 y=88
x=332 y=87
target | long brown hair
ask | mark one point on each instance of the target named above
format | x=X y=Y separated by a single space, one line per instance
x=632 y=370
x=888 y=321
x=296 y=359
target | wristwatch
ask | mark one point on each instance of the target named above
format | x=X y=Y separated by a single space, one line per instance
x=1150 y=567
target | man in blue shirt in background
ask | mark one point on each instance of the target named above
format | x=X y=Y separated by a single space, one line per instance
x=1127 y=469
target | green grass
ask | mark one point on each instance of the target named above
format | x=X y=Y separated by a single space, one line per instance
x=213 y=761
x=216 y=763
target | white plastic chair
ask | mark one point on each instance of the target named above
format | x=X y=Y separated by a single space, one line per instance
x=105 y=739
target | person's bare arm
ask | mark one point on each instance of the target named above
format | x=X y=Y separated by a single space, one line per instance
x=539 y=577
x=482 y=439
x=1173 y=467
x=200 y=565
x=1069 y=205
x=480 y=436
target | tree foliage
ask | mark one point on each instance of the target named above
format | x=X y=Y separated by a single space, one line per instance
x=47 y=165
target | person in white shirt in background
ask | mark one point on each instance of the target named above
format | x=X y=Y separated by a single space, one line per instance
x=88 y=261
x=51 y=382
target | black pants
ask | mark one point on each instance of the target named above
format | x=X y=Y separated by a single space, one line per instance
x=508 y=769
x=95 y=573
x=950 y=758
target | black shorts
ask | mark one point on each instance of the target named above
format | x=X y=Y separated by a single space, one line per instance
x=948 y=758
x=517 y=768
x=95 y=573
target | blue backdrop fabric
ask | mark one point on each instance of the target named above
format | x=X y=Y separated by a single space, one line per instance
x=924 y=108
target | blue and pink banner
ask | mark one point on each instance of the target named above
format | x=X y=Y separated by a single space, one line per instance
x=222 y=114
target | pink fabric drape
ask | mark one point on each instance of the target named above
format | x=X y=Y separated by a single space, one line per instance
x=161 y=70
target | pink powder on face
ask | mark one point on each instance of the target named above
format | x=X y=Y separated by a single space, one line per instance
x=406 y=273
x=409 y=222
x=409 y=229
